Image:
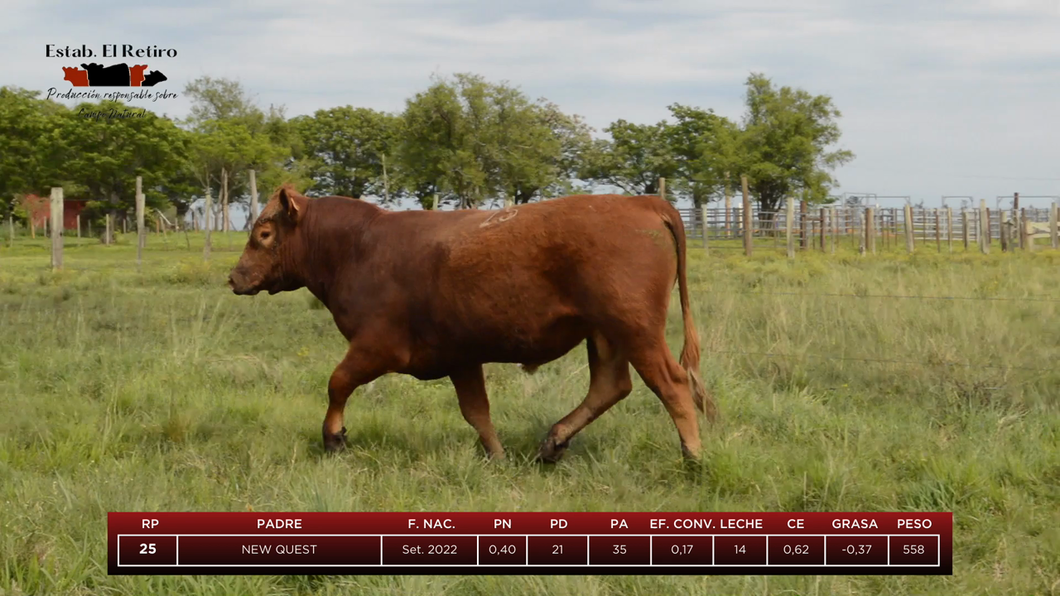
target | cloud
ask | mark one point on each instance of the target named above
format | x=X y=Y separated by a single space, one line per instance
x=930 y=91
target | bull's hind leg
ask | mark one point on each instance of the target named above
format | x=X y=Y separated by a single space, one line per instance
x=609 y=383
x=665 y=377
x=470 y=388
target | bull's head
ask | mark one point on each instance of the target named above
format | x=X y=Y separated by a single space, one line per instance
x=274 y=247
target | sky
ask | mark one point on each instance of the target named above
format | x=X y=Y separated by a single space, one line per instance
x=938 y=98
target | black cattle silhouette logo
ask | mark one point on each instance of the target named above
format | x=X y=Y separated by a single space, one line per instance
x=153 y=77
x=115 y=75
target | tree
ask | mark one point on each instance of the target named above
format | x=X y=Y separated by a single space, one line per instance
x=785 y=141
x=347 y=149
x=432 y=123
x=105 y=155
x=27 y=163
x=576 y=142
x=234 y=135
x=222 y=149
x=706 y=148
x=634 y=158
x=220 y=99
x=555 y=145
x=446 y=149
x=470 y=140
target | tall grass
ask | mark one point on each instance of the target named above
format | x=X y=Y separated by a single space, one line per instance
x=158 y=390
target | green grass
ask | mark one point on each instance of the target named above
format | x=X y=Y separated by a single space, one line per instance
x=158 y=390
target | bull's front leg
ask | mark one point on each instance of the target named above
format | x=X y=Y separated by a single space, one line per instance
x=357 y=368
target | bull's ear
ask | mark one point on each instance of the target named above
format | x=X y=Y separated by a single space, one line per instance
x=292 y=203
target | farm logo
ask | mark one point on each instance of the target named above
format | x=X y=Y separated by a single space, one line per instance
x=115 y=75
x=131 y=73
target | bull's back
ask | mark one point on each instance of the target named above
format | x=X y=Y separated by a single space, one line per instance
x=530 y=282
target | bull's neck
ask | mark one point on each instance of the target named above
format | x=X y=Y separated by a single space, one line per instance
x=332 y=240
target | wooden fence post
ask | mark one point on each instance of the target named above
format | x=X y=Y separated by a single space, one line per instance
x=949 y=228
x=728 y=207
x=1026 y=240
x=1003 y=232
x=253 y=200
x=870 y=229
x=833 y=216
x=984 y=227
x=703 y=211
x=824 y=227
x=110 y=228
x=1017 y=219
x=989 y=227
x=1054 y=221
x=222 y=197
x=803 y=220
x=964 y=227
x=139 y=221
x=1015 y=238
x=938 y=231
x=861 y=230
x=748 y=222
x=57 y=227
x=789 y=224
x=162 y=228
x=11 y=230
x=206 y=216
x=908 y=217
x=78 y=216
x=662 y=188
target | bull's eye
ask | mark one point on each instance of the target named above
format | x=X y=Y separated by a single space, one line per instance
x=264 y=235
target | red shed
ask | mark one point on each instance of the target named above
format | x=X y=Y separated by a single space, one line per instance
x=40 y=210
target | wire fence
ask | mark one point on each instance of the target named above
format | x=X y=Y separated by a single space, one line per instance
x=869 y=229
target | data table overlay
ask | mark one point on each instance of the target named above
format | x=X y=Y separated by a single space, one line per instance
x=529 y=543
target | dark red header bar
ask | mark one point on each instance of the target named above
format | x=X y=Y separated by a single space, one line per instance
x=530 y=543
x=528 y=523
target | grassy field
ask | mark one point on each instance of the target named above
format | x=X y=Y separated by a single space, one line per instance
x=159 y=390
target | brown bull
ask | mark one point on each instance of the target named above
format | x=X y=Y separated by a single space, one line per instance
x=434 y=294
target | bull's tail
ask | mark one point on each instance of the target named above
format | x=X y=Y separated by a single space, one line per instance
x=690 y=352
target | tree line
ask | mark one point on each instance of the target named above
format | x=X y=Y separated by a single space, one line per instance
x=463 y=141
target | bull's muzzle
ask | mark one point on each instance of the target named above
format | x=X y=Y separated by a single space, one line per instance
x=239 y=285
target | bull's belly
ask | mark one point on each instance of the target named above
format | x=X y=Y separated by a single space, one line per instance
x=531 y=348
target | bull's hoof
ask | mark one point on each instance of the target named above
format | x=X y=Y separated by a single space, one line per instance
x=691 y=457
x=550 y=451
x=333 y=443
